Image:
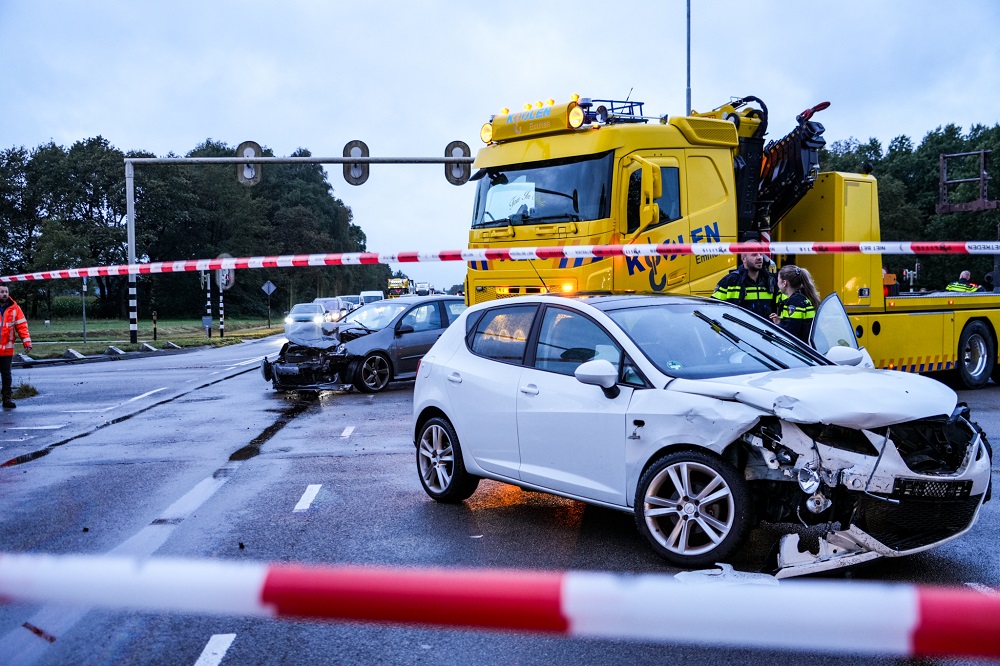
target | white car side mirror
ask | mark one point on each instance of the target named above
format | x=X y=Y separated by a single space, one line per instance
x=844 y=355
x=599 y=373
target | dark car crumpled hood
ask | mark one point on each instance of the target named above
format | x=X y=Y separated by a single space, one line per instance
x=836 y=395
x=325 y=336
x=311 y=334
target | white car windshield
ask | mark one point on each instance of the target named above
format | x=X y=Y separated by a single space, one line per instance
x=703 y=340
x=375 y=316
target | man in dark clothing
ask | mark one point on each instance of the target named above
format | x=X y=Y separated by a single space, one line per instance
x=11 y=321
x=749 y=286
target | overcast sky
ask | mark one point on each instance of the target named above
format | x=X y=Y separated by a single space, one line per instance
x=407 y=78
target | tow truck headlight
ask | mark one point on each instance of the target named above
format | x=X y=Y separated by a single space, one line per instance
x=486 y=133
x=576 y=116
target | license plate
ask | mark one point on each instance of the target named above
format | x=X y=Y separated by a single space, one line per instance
x=931 y=489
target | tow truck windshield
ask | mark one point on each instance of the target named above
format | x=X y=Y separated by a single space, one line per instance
x=569 y=190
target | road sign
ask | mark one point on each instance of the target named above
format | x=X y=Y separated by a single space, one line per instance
x=457 y=174
x=268 y=287
x=356 y=174
x=249 y=174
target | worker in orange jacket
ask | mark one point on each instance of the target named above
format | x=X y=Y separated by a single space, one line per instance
x=11 y=320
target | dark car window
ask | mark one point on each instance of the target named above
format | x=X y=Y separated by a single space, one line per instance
x=426 y=317
x=502 y=334
x=566 y=339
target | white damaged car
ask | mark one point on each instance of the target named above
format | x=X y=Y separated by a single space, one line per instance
x=703 y=420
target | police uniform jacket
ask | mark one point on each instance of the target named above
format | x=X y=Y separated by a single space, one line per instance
x=961 y=285
x=754 y=295
x=13 y=321
x=796 y=314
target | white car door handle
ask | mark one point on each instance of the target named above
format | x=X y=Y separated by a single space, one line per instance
x=455 y=378
x=530 y=389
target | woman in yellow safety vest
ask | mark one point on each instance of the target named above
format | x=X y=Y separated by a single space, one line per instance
x=796 y=304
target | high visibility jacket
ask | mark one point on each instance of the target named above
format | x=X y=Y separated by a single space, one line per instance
x=13 y=321
x=754 y=295
x=961 y=285
x=796 y=314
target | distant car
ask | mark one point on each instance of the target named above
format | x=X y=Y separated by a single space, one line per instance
x=702 y=420
x=335 y=306
x=373 y=345
x=304 y=313
x=371 y=296
x=354 y=300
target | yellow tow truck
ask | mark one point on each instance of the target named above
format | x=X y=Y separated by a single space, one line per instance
x=599 y=172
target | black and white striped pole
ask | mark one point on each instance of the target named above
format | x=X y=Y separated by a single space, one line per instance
x=207 y=319
x=133 y=317
x=222 y=313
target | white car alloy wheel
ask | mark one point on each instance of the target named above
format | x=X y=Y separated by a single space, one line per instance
x=439 y=463
x=693 y=508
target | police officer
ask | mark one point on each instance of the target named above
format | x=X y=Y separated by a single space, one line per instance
x=11 y=320
x=797 y=301
x=962 y=284
x=750 y=286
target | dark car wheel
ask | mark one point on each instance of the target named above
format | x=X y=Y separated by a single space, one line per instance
x=976 y=355
x=372 y=374
x=693 y=508
x=440 y=465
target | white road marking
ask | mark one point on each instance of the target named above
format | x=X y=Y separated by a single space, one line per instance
x=215 y=651
x=48 y=427
x=347 y=431
x=24 y=647
x=108 y=409
x=984 y=589
x=256 y=359
x=307 y=497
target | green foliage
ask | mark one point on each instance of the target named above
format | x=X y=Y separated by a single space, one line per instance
x=908 y=180
x=65 y=207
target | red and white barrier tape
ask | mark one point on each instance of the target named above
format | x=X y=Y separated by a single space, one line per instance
x=511 y=254
x=809 y=616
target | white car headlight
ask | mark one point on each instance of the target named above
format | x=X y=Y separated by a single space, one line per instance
x=289 y=320
x=318 y=319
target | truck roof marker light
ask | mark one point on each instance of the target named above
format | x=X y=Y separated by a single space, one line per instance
x=486 y=133
x=527 y=106
x=539 y=104
x=574 y=98
x=550 y=102
x=504 y=111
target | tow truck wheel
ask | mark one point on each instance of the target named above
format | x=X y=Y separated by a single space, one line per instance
x=693 y=508
x=976 y=355
x=373 y=374
x=440 y=464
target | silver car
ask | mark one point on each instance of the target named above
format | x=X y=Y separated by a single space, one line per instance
x=369 y=347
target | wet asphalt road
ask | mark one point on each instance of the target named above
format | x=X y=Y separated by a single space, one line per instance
x=192 y=455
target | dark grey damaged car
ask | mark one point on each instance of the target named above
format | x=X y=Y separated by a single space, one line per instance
x=370 y=347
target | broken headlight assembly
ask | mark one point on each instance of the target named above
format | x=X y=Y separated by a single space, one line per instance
x=839 y=437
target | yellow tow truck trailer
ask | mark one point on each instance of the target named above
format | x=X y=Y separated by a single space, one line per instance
x=598 y=172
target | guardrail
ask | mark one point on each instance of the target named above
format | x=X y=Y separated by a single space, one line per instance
x=511 y=254
x=809 y=616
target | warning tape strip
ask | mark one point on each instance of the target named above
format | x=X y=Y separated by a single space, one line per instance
x=860 y=618
x=510 y=254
